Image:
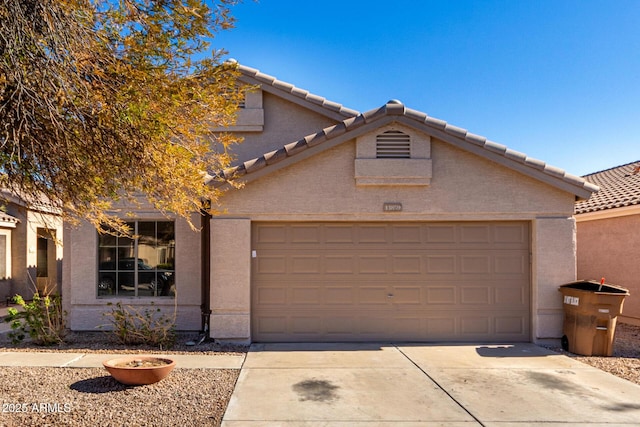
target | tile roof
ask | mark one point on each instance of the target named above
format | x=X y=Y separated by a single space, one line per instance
x=619 y=187
x=294 y=94
x=395 y=111
x=8 y=219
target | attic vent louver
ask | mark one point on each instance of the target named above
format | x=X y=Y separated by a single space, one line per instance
x=393 y=144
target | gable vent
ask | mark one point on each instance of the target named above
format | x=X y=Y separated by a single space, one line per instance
x=393 y=144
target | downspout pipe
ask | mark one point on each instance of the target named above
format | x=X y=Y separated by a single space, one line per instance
x=205 y=236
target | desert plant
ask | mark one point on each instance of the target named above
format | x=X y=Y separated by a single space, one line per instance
x=42 y=318
x=133 y=326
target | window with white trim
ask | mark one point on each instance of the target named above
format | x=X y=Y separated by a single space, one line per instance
x=139 y=266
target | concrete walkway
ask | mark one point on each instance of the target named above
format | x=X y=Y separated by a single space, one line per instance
x=94 y=360
x=425 y=385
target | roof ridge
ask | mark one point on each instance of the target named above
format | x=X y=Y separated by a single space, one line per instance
x=396 y=111
x=294 y=91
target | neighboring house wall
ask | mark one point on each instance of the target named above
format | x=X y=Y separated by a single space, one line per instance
x=7 y=227
x=608 y=246
x=35 y=252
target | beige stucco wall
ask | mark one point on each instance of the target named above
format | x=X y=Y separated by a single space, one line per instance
x=553 y=264
x=230 y=273
x=81 y=274
x=463 y=187
x=607 y=248
x=323 y=187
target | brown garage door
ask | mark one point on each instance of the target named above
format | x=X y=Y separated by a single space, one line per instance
x=457 y=281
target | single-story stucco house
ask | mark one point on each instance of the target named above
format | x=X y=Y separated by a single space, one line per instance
x=383 y=225
x=608 y=234
x=30 y=248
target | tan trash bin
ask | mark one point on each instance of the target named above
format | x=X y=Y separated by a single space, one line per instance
x=590 y=315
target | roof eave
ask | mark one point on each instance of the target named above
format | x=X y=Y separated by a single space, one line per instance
x=394 y=111
x=293 y=94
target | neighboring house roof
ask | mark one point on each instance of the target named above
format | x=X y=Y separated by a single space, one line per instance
x=619 y=187
x=395 y=111
x=28 y=201
x=8 y=221
x=293 y=94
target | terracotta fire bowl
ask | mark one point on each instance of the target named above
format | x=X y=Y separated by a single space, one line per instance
x=139 y=370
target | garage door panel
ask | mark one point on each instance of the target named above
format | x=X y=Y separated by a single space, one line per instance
x=368 y=234
x=340 y=325
x=406 y=264
x=306 y=234
x=406 y=234
x=441 y=295
x=340 y=264
x=308 y=325
x=475 y=233
x=345 y=295
x=306 y=296
x=440 y=264
x=271 y=296
x=510 y=325
x=305 y=264
x=474 y=326
x=373 y=264
x=478 y=295
x=513 y=263
x=341 y=234
x=384 y=281
x=272 y=265
x=512 y=296
x=373 y=296
x=511 y=233
x=475 y=264
x=440 y=233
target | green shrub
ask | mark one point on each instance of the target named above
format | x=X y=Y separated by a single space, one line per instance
x=148 y=326
x=42 y=319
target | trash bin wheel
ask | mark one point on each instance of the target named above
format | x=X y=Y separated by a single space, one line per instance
x=565 y=343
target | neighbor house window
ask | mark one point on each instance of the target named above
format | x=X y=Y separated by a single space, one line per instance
x=138 y=266
x=3 y=257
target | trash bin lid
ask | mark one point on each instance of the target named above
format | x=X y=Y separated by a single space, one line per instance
x=593 y=286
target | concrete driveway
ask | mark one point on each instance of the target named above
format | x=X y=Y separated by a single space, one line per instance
x=425 y=385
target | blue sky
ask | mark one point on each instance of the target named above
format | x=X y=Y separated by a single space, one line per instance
x=558 y=80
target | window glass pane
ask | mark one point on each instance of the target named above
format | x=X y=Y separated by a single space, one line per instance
x=42 y=257
x=166 y=245
x=107 y=240
x=143 y=266
x=126 y=283
x=106 y=283
x=3 y=256
x=107 y=258
x=125 y=240
x=147 y=283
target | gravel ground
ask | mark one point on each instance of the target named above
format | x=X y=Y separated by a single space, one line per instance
x=188 y=397
x=91 y=397
x=625 y=362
